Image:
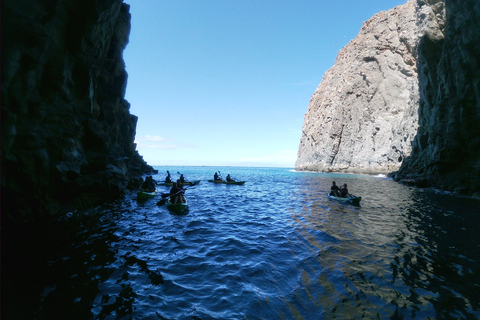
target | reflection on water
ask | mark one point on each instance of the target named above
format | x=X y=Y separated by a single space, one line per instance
x=411 y=250
x=274 y=248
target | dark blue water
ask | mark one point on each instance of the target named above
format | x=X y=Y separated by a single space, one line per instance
x=274 y=248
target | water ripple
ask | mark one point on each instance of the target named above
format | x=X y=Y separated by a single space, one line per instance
x=274 y=248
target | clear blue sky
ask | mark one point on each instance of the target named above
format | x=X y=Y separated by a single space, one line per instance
x=227 y=82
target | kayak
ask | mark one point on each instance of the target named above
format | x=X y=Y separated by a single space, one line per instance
x=351 y=200
x=177 y=207
x=227 y=182
x=186 y=183
x=145 y=193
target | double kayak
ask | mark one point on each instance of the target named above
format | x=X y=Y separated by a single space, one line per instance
x=177 y=207
x=350 y=200
x=186 y=183
x=227 y=182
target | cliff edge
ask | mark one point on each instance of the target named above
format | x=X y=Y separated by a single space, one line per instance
x=67 y=133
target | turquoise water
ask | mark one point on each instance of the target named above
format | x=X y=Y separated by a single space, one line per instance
x=273 y=248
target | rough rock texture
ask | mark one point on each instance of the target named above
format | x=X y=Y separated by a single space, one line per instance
x=363 y=116
x=446 y=150
x=67 y=134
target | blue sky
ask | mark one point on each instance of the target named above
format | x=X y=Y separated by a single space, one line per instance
x=227 y=82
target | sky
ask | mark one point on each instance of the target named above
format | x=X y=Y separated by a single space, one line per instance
x=227 y=82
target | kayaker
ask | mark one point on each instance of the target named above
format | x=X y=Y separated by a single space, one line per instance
x=148 y=185
x=344 y=191
x=216 y=176
x=168 y=178
x=182 y=178
x=176 y=193
x=229 y=179
x=334 y=189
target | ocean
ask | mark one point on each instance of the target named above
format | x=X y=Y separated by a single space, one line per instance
x=274 y=248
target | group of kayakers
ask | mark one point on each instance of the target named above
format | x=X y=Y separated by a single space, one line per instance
x=168 y=178
x=341 y=191
x=177 y=192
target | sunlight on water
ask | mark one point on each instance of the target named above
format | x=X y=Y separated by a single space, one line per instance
x=277 y=248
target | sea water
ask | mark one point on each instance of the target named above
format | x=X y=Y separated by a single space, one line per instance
x=274 y=248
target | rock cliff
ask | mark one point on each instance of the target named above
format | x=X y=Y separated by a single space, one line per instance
x=67 y=133
x=363 y=116
x=403 y=95
x=446 y=149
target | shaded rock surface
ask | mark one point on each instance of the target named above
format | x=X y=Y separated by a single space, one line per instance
x=363 y=116
x=446 y=149
x=67 y=133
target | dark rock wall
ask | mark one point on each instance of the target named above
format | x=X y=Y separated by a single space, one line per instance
x=67 y=136
x=446 y=149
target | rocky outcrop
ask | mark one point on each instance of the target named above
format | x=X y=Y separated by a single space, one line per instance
x=404 y=95
x=67 y=133
x=363 y=116
x=446 y=149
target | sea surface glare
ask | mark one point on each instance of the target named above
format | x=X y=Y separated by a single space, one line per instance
x=273 y=248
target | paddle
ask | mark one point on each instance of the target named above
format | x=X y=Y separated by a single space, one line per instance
x=219 y=176
x=185 y=181
x=162 y=202
x=166 y=196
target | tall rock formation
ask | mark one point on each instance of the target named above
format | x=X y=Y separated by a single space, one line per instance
x=363 y=116
x=67 y=133
x=446 y=150
x=404 y=95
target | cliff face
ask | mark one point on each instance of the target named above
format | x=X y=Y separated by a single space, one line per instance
x=404 y=95
x=363 y=116
x=446 y=150
x=67 y=134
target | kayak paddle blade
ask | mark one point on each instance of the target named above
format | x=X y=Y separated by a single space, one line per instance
x=161 y=202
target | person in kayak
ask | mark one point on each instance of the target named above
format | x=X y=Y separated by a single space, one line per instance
x=176 y=193
x=216 y=176
x=334 y=189
x=148 y=185
x=182 y=179
x=344 y=191
x=168 y=178
x=229 y=179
